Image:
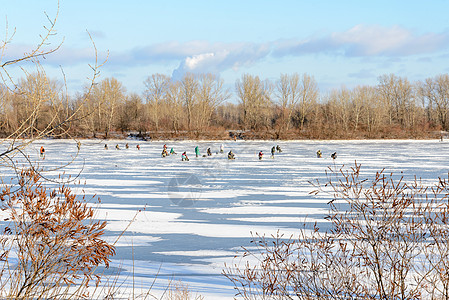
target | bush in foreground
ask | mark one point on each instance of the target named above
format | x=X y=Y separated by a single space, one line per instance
x=387 y=239
x=50 y=245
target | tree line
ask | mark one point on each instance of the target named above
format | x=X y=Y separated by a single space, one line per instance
x=200 y=106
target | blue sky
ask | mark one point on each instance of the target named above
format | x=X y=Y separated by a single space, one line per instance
x=338 y=42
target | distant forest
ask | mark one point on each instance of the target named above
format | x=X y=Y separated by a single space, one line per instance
x=198 y=106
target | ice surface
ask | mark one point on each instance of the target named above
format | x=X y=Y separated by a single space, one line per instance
x=190 y=217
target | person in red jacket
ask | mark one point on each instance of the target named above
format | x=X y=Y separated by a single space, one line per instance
x=42 y=152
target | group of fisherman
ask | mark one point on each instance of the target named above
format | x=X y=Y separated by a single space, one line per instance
x=117 y=147
x=184 y=156
x=230 y=155
x=274 y=149
x=319 y=154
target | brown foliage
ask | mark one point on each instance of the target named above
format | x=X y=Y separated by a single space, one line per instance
x=53 y=237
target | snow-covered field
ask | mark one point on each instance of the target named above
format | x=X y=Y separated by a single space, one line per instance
x=192 y=217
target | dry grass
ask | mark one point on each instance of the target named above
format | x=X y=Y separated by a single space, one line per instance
x=387 y=240
x=177 y=290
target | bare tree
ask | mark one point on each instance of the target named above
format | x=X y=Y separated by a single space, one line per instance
x=37 y=91
x=339 y=103
x=367 y=110
x=189 y=84
x=175 y=101
x=8 y=116
x=106 y=98
x=131 y=114
x=436 y=92
x=397 y=94
x=287 y=95
x=155 y=93
x=210 y=95
x=255 y=98
x=40 y=104
x=308 y=96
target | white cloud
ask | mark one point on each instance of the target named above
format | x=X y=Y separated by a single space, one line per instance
x=367 y=40
x=363 y=40
x=372 y=40
x=198 y=60
x=199 y=56
x=231 y=56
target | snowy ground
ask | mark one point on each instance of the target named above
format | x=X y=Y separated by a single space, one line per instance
x=195 y=215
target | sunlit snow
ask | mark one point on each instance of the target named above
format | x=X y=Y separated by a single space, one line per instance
x=189 y=218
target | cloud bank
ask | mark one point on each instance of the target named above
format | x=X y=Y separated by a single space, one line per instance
x=205 y=57
x=358 y=41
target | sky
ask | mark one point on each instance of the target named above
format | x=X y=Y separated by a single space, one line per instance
x=339 y=43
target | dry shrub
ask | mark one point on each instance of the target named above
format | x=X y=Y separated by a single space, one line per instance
x=387 y=239
x=51 y=244
x=177 y=290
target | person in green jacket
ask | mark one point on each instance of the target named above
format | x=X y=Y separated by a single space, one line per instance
x=197 y=151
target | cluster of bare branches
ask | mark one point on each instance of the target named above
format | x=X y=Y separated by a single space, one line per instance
x=387 y=239
x=33 y=106
x=198 y=105
x=50 y=244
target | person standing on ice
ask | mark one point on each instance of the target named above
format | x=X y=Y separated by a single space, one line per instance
x=260 y=155
x=273 y=150
x=318 y=154
x=209 y=153
x=197 y=151
x=105 y=146
x=221 y=148
x=138 y=147
x=42 y=152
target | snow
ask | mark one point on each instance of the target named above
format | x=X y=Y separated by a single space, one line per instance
x=189 y=218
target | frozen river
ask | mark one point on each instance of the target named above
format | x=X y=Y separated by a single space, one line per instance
x=195 y=215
